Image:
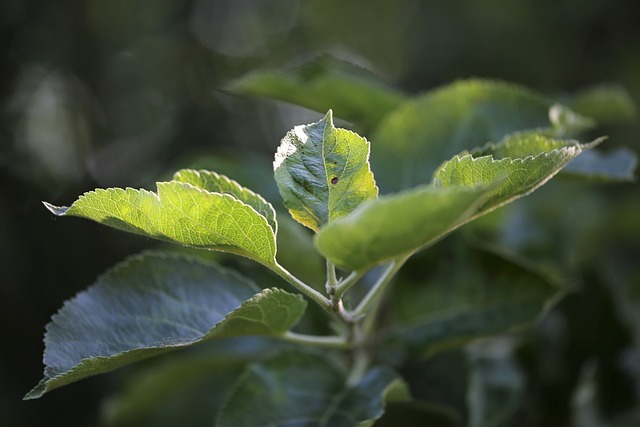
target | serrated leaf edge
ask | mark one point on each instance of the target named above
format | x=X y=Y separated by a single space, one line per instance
x=42 y=387
x=238 y=186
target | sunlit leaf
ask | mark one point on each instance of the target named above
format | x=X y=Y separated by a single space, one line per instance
x=412 y=141
x=323 y=172
x=216 y=183
x=397 y=225
x=521 y=164
x=152 y=304
x=182 y=213
x=307 y=390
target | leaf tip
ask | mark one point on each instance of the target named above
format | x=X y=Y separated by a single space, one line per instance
x=594 y=143
x=56 y=210
x=329 y=117
x=37 y=391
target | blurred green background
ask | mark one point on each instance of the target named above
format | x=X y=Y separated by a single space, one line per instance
x=122 y=93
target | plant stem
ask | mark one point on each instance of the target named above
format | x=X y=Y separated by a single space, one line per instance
x=359 y=356
x=304 y=288
x=318 y=341
x=335 y=300
x=344 y=285
x=372 y=298
x=332 y=281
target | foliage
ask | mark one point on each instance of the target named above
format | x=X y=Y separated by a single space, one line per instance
x=444 y=159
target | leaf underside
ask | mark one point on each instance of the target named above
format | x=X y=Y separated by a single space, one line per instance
x=396 y=225
x=306 y=390
x=151 y=304
x=323 y=172
x=229 y=220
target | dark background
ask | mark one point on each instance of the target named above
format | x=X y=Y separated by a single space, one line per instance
x=101 y=93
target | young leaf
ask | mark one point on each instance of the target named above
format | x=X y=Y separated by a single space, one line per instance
x=216 y=183
x=396 y=225
x=323 y=172
x=520 y=176
x=307 y=390
x=354 y=93
x=151 y=304
x=410 y=142
x=183 y=213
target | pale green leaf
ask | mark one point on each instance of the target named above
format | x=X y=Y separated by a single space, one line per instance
x=412 y=141
x=354 y=93
x=307 y=390
x=397 y=225
x=182 y=213
x=524 y=162
x=448 y=306
x=151 y=304
x=323 y=172
x=216 y=183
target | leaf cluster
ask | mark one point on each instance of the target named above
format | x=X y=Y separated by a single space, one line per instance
x=441 y=160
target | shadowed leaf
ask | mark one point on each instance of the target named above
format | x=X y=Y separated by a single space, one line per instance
x=152 y=304
x=305 y=390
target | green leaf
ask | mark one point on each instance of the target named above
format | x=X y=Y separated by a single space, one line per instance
x=605 y=103
x=538 y=160
x=397 y=225
x=183 y=213
x=413 y=140
x=323 y=172
x=151 y=304
x=307 y=390
x=461 y=293
x=354 y=93
x=616 y=165
x=185 y=387
x=216 y=183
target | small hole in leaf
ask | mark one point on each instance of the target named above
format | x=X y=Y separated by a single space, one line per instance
x=334 y=180
x=335 y=163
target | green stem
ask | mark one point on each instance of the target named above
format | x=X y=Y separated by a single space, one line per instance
x=317 y=341
x=344 y=285
x=375 y=293
x=303 y=287
x=359 y=356
x=332 y=281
